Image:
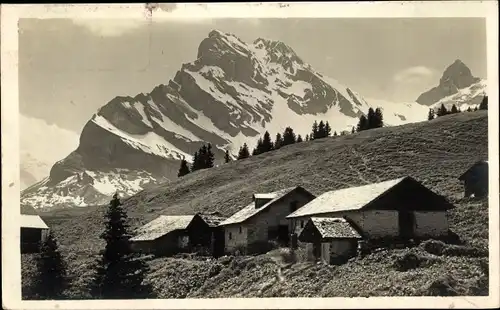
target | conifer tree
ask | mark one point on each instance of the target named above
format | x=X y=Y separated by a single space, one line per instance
x=51 y=279
x=484 y=103
x=278 y=142
x=362 y=124
x=328 y=129
x=307 y=137
x=243 y=153
x=469 y=109
x=210 y=157
x=475 y=109
x=454 y=109
x=289 y=136
x=183 y=169
x=335 y=133
x=370 y=119
x=442 y=111
x=267 y=144
x=378 y=121
x=314 y=132
x=353 y=129
x=321 y=130
x=196 y=162
x=227 y=157
x=430 y=115
x=299 y=139
x=120 y=273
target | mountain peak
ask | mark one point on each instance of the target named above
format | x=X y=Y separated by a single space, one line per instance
x=455 y=77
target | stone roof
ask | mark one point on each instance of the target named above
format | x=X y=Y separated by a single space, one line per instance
x=334 y=228
x=161 y=226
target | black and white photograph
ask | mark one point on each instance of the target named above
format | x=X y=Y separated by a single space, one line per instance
x=228 y=157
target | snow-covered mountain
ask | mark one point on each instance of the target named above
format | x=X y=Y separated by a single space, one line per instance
x=230 y=95
x=38 y=151
x=457 y=86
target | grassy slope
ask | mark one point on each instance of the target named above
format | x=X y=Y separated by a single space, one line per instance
x=434 y=152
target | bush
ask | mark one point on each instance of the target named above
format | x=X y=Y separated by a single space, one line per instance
x=288 y=256
x=412 y=260
x=435 y=247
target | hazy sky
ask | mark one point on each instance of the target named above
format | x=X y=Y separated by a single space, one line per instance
x=68 y=69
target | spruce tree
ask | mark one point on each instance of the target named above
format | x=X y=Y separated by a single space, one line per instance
x=321 y=131
x=307 y=137
x=267 y=144
x=454 y=109
x=278 y=142
x=203 y=156
x=196 y=162
x=314 y=132
x=352 y=131
x=243 y=153
x=210 y=157
x=378 y=121
x=484 y=103
x=227 y=158
x=184 y=168
x=371 y=119
x=362 y=124
x=335 y=133
x=51 y=280
x=475 y=109
x=120 y=273
x=258 y=148
x=442 y=111
x=469 y=109
x=289 y=136
x=299 y=139
x=328 y=129
x=430 y=115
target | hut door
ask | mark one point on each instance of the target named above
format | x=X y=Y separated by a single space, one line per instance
x=406 y=224
x=317 y=249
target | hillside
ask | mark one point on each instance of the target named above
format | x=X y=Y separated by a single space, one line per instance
x=434 y=152
x=231 y=94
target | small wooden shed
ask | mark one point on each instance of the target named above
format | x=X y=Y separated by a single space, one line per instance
x=33 y=232
x=333 y=240
x=217 y=232
x=171 y=234
x=475 y=180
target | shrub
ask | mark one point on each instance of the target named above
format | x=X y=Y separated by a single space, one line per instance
x=412 y=260
x=435 y=247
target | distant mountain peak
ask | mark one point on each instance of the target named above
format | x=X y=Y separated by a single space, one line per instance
x=455 y=77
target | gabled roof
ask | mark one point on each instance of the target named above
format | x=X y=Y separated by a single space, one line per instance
x=213 y=219
x=333 y=228
x=265 y=196
x=32 y=221
x=474 y=166
x=249 y=211
x=346 y=199
x=161 y=226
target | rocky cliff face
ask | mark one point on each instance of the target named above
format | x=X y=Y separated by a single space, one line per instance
x=228 y=96
x=455 y=78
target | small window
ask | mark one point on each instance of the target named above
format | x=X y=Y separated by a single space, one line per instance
x=301 y=223
x=230 y=236
x=240 y=230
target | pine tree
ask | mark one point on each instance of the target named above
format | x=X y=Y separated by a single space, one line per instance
x=203 y=156
x=307 y=137
x=475 y=109
x=120 y=273
x=227 y=158
x=328 y=129
x=243 y=153
x=484 y=103
x=289 y=136
x=51 y=278
x=184 y=168
x=352 y=131
x=267 y=144
x=278 y=142
x=454 y=109
x=430 y=115
x=299 y=139
x=314 y=132
x=321 y=131
x=210 y=157
x=469 y=109
x=378 y=121
x=335 y=133
x=362 y=124
x=258 y=148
